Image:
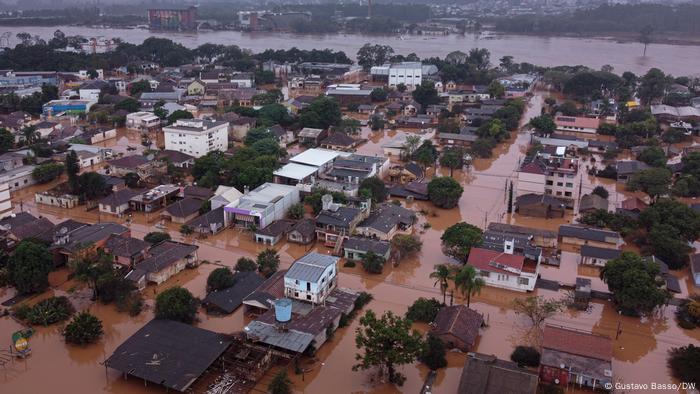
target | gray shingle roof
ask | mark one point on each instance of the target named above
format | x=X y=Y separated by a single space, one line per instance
x=367 y=245
x=600 y=253
x=388 y=216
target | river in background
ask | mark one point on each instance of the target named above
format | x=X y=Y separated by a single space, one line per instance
x=545 y=51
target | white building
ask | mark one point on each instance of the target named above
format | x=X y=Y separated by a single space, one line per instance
x=142 y=121
x=504 y=269
x=5 y=200
x=262 y=206
x=408 y=73
x=311 y=278
x=196 y=137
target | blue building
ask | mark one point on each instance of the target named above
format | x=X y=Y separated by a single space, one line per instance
x=55 y=107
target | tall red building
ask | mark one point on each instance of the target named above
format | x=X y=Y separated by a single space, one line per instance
x=173 y=19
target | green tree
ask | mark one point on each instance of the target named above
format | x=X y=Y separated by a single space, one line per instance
x=7 y=140
x=268 y=262
x=483 y=147
x=404 y=245
x=601 y=191
x=379 y=94
x=633 y=282
x=280 y=384
x=386 y=343
x=442 y=275
x=543 y=124
x=128 y=104
x=91 y=185
x=526 y=355
x=468 y=282
x=426 y=154
x=373 y=55
x=444 y=192
x=245 y=264
x=49 y=311
x=652 y=86
x=459 y=239
x=179 y=114
x=349 y=126
x=30 y=135
x=373 y=263
x=410 y=146
x=426 y=94
x=322 y=113
x=186 y=230
x=375 y=188
x=496 y=90
x=653 y=156
x=296 y=211
x=176 y=303
x=653 y=181
x=452 y=159
x=29 y=267
x=675 y=214
x=433 y=354
x=156 y=237
x=424 y=310
x=72 y=170
x=684 y=363
x=537 y=309
x=138 y=87
x=85 y=328
x=220 y=279
x=132 y=179
x=47 y=172
x=89 y=265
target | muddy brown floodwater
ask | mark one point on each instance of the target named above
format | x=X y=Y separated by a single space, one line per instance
x=639 y=351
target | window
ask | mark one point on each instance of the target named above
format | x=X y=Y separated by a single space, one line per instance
x=502 y=277
x=308 y=286
x=308 y=296
x=560 y=184
x=485 y=274
x=523 y=281
x=569 y=184
x=568 y=194
x=550 y=183
x=558 y=193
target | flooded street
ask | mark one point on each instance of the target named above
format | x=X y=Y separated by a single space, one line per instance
x=542 y=51
x=639 y=350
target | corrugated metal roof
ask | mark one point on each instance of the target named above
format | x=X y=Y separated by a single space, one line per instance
x=310 y=267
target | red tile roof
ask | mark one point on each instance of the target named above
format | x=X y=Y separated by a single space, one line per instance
x=577 y=342
x=634 y=203
x=460 y=321
x=482 y=259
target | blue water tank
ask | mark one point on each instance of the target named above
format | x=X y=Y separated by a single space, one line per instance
x=283 y=310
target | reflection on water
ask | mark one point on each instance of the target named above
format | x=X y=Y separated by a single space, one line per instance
x=543 y=51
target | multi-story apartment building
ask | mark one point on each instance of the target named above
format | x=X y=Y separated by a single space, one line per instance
x=196 y=137
x=556 y=176
x=5 y=201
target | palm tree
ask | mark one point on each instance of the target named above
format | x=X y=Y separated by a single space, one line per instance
x=442 y=275
x=468 y=282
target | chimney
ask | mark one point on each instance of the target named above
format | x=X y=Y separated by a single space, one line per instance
x=246 y=189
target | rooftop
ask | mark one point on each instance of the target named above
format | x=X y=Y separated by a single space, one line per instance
x=165 y=254
x=168 y=353
x=315 y=157
x=484 y=374
x=493 y=261
x=295 y=171
x=459 y=321
x=229 y=299
x=310 y=267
